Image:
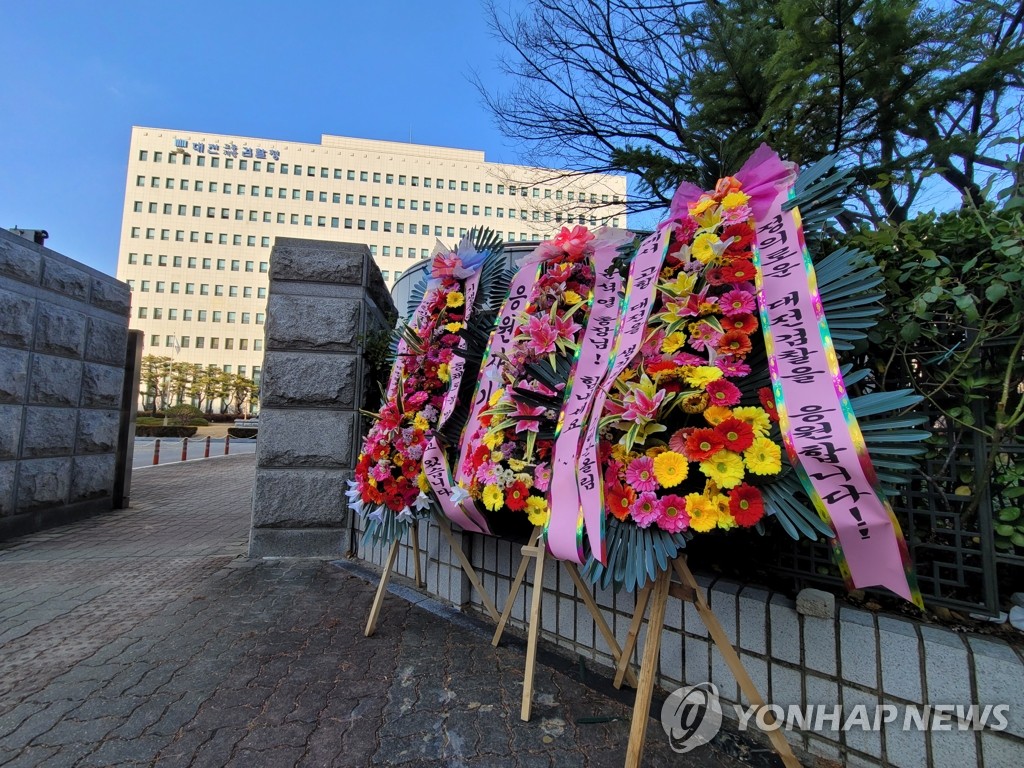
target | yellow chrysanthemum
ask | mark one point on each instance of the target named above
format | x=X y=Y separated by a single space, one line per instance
x=442 y=372
x=537 y=510
x=620 y=454
x=572 y=298
x=453 y=327
x=702 y=249
x=670 y=469
x=420 y=423
x=495 y=397
x=764 y=457
x=702 y=375
x=755 y=417
x=455 y=299
x=494 y=499
x=497 y=456
x=525 y=478
x=725 y=469
x=516 y=465
x=716 y=414
x=695 y=403
x=702 y=511
x=735 y=200
x=673 y=342
x=423 y=483
x=493 y=439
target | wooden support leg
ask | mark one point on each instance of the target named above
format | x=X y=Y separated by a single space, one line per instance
x=623 y=667
x=648 y=671
x=414 y=535
x=467 y=567
x=517 y=584
x=634 y=632
x=531 y=641
x=732 y=659
x=382 y=588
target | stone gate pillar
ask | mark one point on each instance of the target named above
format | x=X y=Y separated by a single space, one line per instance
x=323 y=299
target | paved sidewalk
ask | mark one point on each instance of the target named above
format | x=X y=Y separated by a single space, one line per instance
x=144 y=637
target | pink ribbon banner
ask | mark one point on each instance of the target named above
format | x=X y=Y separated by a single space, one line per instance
x=569 y=474
x=819 y=429
x=435 y=466
x=457 y=366
x=636 y=308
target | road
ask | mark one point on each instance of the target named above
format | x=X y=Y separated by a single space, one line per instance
x=170 y=449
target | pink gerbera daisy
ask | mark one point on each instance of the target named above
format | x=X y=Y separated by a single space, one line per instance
x=673 y=517
x=737 y=302
x=645 y=510
x=640 y=474
x=723 y=392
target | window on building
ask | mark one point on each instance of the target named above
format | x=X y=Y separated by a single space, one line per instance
x=143 y=313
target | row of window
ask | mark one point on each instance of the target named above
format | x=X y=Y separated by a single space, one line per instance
x=377 y=177
x=464 y=210
x=193 y=237
x=194 y=261
x=186 y=342
x=200 y=315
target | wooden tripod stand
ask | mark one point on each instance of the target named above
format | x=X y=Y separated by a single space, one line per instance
x=660 y=589
x=389 y=565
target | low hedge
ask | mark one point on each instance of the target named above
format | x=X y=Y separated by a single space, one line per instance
x=242 y=431
x=162 y=431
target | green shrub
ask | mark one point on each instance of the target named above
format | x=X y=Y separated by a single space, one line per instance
x=182 y=415
x=242 y=431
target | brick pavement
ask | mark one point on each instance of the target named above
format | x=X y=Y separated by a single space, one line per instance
x=144 y=637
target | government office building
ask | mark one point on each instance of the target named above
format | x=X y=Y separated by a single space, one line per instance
x=201 y=212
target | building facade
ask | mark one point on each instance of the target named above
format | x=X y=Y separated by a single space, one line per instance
x=201 y=212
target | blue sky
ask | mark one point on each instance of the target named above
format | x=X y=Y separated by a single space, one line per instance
x=78 y=75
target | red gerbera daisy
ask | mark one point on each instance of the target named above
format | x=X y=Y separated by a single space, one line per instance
x=743 y=233
x=746 y=505
x=702 y=444
x=723 y=392
x=743 y=322
x=736 y=434
x=516 y=496
x=738 y=272
x=618 y=499
x=734 y=343
x=768 y=403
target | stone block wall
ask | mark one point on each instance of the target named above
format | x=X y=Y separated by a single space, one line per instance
x=63 y=341
x=323 y=298
x=854 y=657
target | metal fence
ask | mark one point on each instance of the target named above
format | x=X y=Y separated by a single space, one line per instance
x=963 y=549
